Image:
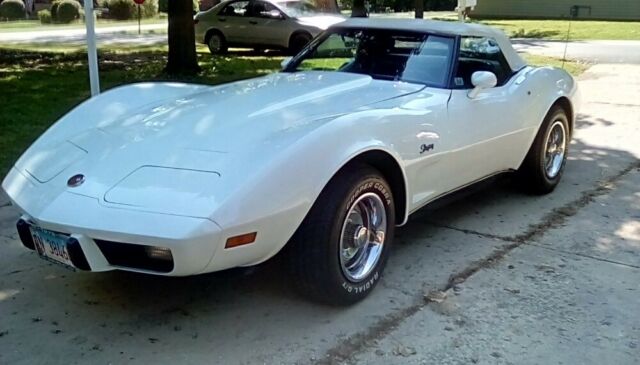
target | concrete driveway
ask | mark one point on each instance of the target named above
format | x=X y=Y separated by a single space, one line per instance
x=500 y=277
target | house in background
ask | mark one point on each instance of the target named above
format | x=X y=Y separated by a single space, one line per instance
x=548 y=9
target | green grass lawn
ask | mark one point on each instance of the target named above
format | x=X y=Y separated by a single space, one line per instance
x=580 y=29
x=38 y=88
x=553 y=28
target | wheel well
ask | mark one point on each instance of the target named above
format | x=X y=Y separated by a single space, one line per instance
x=299 y=32
x=565 y=104
x=392 y=173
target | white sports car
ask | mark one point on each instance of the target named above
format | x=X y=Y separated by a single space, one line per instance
x=371 y=121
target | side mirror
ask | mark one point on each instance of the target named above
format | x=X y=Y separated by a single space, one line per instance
x=285 y=62
x=482 y=80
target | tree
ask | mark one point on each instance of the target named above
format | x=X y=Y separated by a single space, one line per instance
x=359 y=10
x=182 y=39
x=419 y=9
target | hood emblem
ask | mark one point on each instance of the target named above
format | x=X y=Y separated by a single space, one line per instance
x=75 y=180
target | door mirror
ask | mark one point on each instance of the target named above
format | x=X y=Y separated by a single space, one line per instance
x=482 y=80
x=285 y=62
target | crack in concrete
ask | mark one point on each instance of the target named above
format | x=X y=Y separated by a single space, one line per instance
x=583 y=255
x=473 y=232
x=347 y=350
x=616 y=104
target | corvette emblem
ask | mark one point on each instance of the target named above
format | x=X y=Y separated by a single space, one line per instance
x=75 y=180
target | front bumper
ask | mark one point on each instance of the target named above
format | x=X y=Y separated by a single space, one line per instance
x=192 y=241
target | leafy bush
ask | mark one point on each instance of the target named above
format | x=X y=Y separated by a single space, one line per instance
x=54 y=9
x=68 y=11
x=44 y=16
x=120 y=9
x=163 y=6
x=127 y=9
x=12 y=10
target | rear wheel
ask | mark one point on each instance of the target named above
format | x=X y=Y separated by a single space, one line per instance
x=339 y=251
x=542 y=169
x=217 y=43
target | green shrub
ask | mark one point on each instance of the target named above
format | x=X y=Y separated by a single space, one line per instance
x=149 y=9
x=44 y=16
x=54 y=9
x=163 y=5
x=68 y=11
x=120 y=9
x=127 y=9
x=12 y=10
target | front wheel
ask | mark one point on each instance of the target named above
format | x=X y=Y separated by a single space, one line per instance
x=542 y=169
x=339 y=251
x=217 y=43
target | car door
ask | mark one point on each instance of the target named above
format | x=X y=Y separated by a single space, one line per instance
x=233 y=21
x=485 y=132
x=267 y=24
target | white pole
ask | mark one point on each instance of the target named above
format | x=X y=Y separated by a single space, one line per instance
x=462 y=5
x=92 y=52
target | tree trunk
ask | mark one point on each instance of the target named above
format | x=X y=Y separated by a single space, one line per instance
x=182 y=39
x=419 y=9
x=328 y=6
x=358 y=10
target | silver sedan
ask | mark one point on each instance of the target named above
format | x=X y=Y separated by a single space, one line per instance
x=260 y=24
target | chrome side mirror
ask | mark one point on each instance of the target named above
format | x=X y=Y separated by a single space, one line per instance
x=482 y=80
x=285 y=62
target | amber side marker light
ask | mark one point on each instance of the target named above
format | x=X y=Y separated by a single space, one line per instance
x=243 y=239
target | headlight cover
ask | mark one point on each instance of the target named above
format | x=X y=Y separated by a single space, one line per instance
x=168 y=190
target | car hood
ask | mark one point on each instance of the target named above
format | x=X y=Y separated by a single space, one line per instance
x=320 y=21
x=217 y=129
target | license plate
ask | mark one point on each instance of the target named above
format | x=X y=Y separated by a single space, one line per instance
x=51 y=246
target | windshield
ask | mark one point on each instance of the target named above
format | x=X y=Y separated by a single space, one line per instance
x=297 y=9
x=382 y=54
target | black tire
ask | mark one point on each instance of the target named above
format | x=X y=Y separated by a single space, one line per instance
x=533 y=175
x=313 y=253
x=297 y=42
x=216 y=35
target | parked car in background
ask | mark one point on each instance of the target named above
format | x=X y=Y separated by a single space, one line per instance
x=261 y=24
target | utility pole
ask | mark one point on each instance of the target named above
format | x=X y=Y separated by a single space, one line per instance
x=92 y=51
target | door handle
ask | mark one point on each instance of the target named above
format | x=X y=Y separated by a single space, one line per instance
x=222 y=19
x=253 y=22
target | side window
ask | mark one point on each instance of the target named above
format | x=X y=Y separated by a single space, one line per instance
x=480 y=54
x=429 y=61
x=238 y=8
x=261 y=9
x=334 y=53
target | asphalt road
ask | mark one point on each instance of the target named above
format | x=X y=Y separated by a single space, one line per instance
x=154 y=34
x=590 y=51
x=499 y=277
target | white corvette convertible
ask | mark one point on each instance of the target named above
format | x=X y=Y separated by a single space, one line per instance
x=370 y=122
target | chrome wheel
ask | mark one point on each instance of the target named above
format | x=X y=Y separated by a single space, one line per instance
x=215 y=43
x=362 y=237
x=555 y=149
